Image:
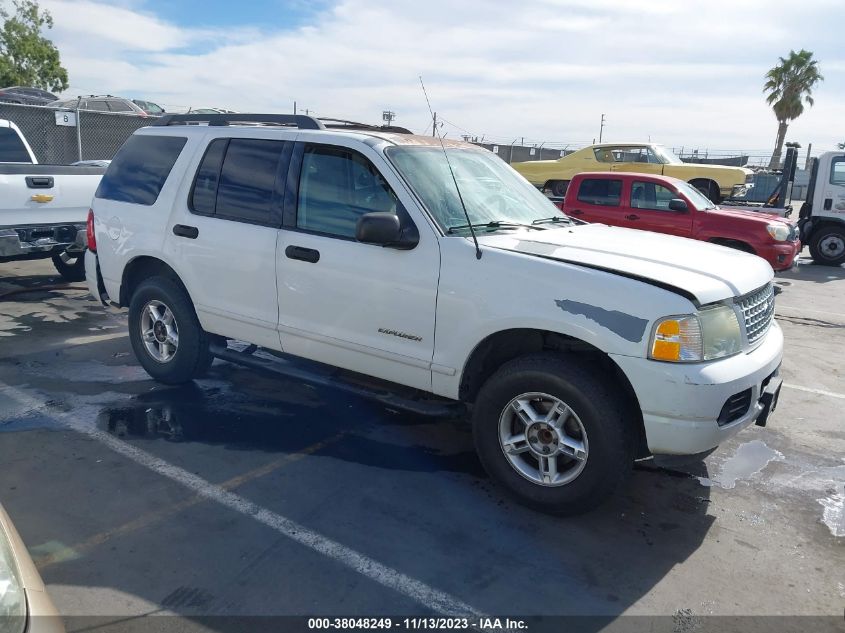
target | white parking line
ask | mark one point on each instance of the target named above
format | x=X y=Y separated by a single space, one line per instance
x=800 y=310
x=820 y=392
x=437 y=601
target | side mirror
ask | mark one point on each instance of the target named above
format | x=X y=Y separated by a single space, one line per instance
x=385 y=229
x=676 y=204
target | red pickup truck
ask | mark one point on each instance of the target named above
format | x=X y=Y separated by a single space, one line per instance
x=668 y=205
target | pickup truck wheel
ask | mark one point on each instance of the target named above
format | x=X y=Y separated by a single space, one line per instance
x=553 y=433
x=71 y=268
x=165 y=333
x=827 y=246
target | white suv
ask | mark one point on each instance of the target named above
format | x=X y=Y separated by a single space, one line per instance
x=577 y=348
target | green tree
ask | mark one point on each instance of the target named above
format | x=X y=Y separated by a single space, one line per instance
x=790 y=84
x=27 y=58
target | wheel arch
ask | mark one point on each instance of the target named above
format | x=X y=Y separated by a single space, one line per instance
x=144 y=267
x=505 y=345
x=733 y=243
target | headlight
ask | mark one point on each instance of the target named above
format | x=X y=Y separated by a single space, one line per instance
x=12 y=599
x=779 y=232
x=707 y=335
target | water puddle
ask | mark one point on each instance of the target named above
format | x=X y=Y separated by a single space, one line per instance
x=833 y=515
x=749 y=459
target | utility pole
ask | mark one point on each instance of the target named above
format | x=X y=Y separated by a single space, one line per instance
x=294 y=107
x=387 y=116
x=807 y=162
x=601 y=128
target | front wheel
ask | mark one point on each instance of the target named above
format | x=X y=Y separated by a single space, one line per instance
x=553 y=433
x=166 y=334
x=70 y=267
x=827 y=245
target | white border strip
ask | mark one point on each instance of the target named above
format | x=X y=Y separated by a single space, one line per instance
x=821 y=392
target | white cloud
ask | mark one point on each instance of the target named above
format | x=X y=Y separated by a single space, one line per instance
x=685 y=73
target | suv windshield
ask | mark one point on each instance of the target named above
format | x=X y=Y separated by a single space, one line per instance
x=494 y=194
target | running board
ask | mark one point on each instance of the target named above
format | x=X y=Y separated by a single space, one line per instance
x=387 y=394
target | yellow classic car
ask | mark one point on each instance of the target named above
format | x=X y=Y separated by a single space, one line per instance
x=714 y=181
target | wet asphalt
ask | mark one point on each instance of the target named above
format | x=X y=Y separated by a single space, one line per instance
x=758 y=528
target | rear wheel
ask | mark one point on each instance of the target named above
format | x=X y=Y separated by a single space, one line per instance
x=553 y=433
x=165 y=332
x=557 y=187
x=70 y=267
x=827 y=245
x=709 y=189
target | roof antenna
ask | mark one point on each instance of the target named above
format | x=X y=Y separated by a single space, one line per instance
x=451 y=171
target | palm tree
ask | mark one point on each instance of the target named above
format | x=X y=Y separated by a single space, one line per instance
x=790 y=84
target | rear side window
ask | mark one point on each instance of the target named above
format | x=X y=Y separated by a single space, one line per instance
x=12 y=150
x=248 y=180
x=140 y=169
x=204 y=194
x=600 y=191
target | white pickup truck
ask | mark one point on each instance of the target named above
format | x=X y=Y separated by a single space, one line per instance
x=42 y=207
x=577 y=348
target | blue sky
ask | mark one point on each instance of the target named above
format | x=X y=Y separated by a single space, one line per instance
x=685 y=73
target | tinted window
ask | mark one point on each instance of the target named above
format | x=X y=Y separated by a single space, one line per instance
x=12 y=150
x=649 y=195
x=600 y=191
x=208 y=175
x=837 y=171
x=99 y=106
x=116 y=105
x=140 y=168
x=336 y=187
x=248 y=179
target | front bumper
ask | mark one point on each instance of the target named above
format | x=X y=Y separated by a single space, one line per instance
x=28 y=241
x=781 y=256
x=681 y=403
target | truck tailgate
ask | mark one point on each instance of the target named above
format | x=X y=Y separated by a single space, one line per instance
x=46 y=194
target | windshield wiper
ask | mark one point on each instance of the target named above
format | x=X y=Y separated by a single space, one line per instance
x=555 y=219
x=495 y=224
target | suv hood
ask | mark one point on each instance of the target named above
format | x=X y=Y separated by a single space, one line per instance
x=758 y=216
x=704 y=271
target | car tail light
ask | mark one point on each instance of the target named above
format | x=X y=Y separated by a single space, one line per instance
x=89 y=232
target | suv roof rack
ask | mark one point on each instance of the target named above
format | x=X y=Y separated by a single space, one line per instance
x=286 y=120
x=343 y=124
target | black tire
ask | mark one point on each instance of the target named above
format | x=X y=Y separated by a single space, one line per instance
x=827 y=245
x=557 y=187
x=709 y=189
x=596 y=403
x=192 y=357
x=71 y=270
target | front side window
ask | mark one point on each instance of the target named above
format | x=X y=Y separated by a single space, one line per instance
x=336 y=187
x=650 y=195
x=600 y=192
x=248 y=180
x=12 y=149
x=837 y=171
x=140 y=169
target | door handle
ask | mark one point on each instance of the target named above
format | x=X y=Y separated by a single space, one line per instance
x=576 y=212
x=304 y=254
x=183 y=230
x=828 y=204
x=632 y=216
x=39 y=182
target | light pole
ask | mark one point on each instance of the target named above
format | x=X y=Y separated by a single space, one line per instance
x=601 y=128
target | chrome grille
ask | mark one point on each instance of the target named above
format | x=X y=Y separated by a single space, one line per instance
x=758 y=310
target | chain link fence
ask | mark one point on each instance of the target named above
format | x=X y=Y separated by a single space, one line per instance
x=56 y=140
